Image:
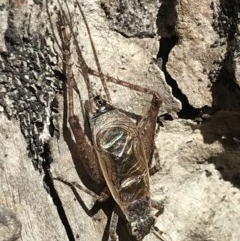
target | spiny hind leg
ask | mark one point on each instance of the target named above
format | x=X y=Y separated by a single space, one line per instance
x=84 y=148
x=84 y=69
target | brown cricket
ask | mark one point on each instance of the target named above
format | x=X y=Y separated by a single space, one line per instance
x=119 y=151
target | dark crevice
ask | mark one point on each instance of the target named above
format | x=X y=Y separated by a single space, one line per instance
x=166 y=45
x=225 y=90
x=167 y=18
x=48 y=182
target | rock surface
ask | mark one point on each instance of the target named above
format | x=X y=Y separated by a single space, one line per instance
x=187 y=51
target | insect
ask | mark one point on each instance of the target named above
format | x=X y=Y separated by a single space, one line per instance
x=119 y=150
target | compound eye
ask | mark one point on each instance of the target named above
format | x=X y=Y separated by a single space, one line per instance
x=135 y=231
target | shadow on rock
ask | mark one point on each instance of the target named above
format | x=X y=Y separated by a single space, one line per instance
x=224 y=127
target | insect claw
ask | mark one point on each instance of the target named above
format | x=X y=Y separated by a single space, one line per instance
x=159 y=205
x=154 y=169
x=156 y=100
x=160 y=234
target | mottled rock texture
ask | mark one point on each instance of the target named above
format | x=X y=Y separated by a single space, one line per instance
x=187 y=51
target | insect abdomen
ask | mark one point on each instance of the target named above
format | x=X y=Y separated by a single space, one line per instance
x=121 y=157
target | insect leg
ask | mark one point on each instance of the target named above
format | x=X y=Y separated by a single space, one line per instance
x=147 y=125
x=156 y=167
x=126 y=84
x=68 y=22
x=113 y=226
x=104 y=195
x=101 y=76
x=85 y=150
x=160 y=235
x=157 y=205
x=77 y=185
x=155 y=230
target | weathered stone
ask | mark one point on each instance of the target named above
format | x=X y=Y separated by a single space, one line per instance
x=195 y=70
